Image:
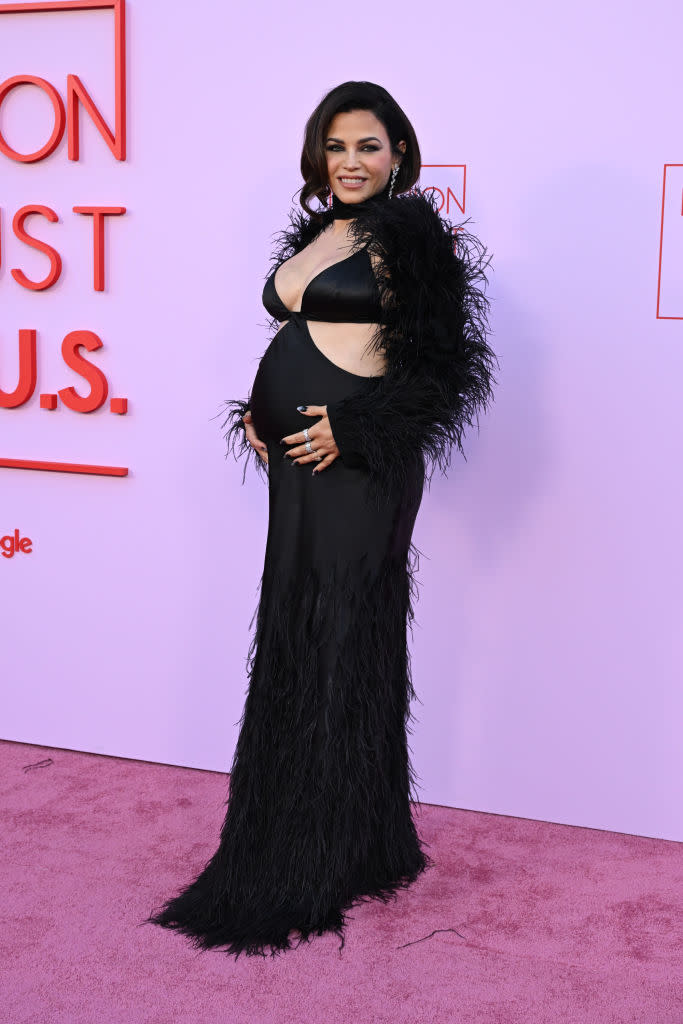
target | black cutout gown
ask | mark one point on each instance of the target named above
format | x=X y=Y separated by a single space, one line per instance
x=319 y=809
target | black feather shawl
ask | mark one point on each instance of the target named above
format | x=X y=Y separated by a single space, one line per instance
x=439 y=366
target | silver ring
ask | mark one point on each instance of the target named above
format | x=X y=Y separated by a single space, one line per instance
x=309 y=447
x=305 y=433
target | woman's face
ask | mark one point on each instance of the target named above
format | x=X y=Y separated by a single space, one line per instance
x=359 y=157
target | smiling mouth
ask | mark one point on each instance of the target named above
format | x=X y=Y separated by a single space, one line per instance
x=351 y=181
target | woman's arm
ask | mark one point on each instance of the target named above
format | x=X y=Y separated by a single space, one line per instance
x=400 y=421
x=440 y=365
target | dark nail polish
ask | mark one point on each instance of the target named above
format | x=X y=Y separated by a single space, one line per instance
x=282 y=441
x=302 y=408
x=314 y=473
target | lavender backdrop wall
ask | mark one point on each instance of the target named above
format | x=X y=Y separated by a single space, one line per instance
x=547 y=642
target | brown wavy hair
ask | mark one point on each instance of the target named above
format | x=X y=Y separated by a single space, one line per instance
x=340 y=100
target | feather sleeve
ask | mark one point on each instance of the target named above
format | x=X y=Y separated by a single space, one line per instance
x=235 y=436
x=439 y=373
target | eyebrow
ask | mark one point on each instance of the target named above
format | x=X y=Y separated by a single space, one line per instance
x=368 y=138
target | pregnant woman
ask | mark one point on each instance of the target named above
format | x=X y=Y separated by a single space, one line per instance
x=379 y=360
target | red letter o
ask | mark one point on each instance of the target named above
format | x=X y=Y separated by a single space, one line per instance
x=60 y=118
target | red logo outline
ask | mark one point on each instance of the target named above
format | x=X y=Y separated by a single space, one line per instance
x=116 y=142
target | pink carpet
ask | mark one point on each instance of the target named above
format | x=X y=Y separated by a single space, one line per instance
x=550 y=923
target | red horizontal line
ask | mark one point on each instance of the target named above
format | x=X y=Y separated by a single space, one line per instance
x=64 y=467
x=55 y=5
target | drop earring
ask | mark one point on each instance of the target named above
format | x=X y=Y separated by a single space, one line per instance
x=394 y=172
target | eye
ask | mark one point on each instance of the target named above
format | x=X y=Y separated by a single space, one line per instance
x=335 y=145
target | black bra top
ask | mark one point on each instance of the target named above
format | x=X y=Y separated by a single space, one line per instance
x=345 y=292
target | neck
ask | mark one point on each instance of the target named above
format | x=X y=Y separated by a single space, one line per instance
x=346 y=211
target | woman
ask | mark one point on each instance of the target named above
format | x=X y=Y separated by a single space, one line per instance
x=379 y=360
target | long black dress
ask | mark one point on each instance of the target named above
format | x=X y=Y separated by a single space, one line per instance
x=319 y=812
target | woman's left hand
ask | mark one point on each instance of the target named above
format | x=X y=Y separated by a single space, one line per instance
x=321 y=438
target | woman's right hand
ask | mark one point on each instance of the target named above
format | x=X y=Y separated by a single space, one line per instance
x=256 y=443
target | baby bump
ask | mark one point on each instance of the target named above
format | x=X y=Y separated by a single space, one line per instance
x=293 y=372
